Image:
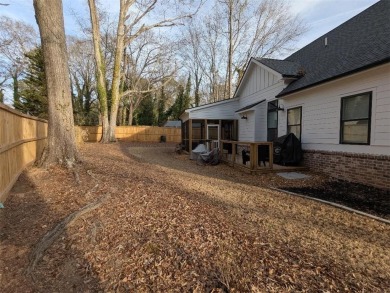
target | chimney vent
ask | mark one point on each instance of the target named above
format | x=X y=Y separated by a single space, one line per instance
x=326 y=41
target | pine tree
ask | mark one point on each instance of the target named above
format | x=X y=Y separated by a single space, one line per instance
x=33 y=96
x=187 y=94
x=182 y=102
x=161 y=115
x=178 y=104
x=145 y=112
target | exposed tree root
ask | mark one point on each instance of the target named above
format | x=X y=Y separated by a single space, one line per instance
x=76 y=176
x=53 y=234
x=90 y=173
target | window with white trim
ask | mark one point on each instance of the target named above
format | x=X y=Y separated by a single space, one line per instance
x=294 y=121
x=355 y=119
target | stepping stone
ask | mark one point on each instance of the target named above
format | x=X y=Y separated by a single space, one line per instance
x=293 y=175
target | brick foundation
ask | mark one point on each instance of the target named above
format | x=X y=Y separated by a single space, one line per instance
x=367 y=169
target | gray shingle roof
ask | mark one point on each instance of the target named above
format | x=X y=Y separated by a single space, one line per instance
x=360 y=43
x=284 y=67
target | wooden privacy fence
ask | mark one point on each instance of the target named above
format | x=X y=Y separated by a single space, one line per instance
x=22 y=139
x=136 y=133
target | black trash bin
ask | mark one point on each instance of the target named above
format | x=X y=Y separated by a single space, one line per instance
x=287 y=150
x=163 y=138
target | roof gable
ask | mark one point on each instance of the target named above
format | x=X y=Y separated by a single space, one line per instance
x=253 y=62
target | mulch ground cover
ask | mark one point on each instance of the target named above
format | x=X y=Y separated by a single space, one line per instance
x=361 y=197
x=165 y=224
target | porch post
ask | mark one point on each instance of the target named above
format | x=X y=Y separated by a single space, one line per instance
x=271 y=155
x=234 y=150
x=252 y=156
x=205 y=132
x=190 y=136
x=220 y=134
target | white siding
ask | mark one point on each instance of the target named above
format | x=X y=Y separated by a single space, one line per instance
x=261 y=122
x=218 y=111
x=257 y=79
x=321 y=112
x=246 y=127
x=259 y=84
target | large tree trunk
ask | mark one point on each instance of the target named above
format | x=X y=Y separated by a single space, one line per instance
x=116 y=77
x=230 y=53
x=61 y=146
x=100 y=72
x=131 y=111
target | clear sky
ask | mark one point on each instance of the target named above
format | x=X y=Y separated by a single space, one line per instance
x=321 y=16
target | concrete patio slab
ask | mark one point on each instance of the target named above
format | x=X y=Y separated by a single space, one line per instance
x=293 y=175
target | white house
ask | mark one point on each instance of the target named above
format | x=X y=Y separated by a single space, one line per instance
x=333 y=94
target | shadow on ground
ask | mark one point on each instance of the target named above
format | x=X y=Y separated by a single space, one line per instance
x=25 y=219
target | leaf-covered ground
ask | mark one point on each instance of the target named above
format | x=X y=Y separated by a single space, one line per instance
x=169 y=225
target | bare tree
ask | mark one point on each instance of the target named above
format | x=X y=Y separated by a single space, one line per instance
x=192 y=58
x=61 y=148
x=218 y=44
x=148 y=66
x=213 y=55
x=131 y=24
x=16 y=39
x=100 y=71
x=256 y=28
x=82 y=73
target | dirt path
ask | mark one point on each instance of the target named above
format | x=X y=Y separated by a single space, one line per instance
x=170 y=225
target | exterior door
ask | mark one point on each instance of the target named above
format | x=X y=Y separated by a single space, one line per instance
x=213 y=136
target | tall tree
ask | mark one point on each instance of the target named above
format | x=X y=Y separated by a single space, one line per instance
x=218 y=44
x=33 y=94
x=16 y=39
x=100 y=71
x=82 y=72
x=131 y=24
x=182 y=102
x=213 y=56
x=256 y=28
x=61 y=147
x=146 y=112
x=161 y=104
x=148 y=66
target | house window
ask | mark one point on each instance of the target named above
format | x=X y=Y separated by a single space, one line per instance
x=294 y=121
x=355 y=119
x=272 y=120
